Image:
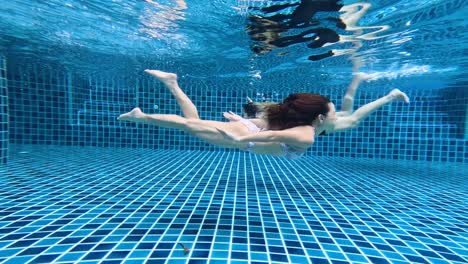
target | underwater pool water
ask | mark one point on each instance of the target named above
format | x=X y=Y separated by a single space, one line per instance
x=78 y=186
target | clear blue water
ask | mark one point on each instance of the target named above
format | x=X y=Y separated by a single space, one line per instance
x=124 y=37
x=79 y=187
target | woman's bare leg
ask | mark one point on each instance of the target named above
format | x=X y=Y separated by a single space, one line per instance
x=203 y=129
x=190 y=123
x=166 y=121
x=348 y=100
x=358 y=77
x=170 y=80
x=364 y=111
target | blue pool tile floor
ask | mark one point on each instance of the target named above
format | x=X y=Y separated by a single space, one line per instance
x=89 y=205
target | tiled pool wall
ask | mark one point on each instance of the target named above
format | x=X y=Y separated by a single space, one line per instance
x=3 y=111
x=56 y=107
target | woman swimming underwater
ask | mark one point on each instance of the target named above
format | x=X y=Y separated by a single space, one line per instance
x=285 y=129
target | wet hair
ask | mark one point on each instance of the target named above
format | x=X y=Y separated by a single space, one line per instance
x=298 y=109
x=251 y=109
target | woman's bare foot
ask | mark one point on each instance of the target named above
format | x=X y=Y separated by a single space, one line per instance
x=399 y=95
x=134 y=116
x=169 y=79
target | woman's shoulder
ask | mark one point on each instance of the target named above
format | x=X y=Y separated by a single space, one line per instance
x=304 y=135
x=307 y=131
x=261 y=123
x=303 y=128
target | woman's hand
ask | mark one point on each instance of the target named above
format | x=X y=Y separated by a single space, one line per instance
x=228 y=135
x=231 y=116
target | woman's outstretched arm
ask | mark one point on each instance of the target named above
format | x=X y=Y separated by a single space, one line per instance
x=353 y=120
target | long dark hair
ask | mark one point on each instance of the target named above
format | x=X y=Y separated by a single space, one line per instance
x=298 y=109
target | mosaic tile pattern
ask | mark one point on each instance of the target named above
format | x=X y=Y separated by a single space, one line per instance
x=106 y=205
x=3 y=112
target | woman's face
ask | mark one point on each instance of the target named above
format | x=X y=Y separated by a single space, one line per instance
x=328 y=121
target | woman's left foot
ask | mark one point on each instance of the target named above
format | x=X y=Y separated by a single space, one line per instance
x=133 y=116
x=399 y=95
